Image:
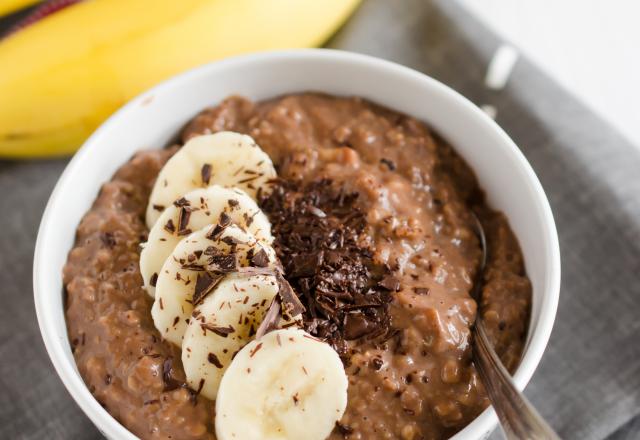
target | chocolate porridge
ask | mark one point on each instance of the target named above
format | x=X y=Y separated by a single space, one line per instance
x=372 y=219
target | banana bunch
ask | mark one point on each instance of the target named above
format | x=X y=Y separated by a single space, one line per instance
x=62 y=76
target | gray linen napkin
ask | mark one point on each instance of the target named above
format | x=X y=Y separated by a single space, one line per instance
x=588 y=384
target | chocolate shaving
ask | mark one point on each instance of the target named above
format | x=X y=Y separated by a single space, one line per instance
x=205 y=173
x=255 y=350
x=213 y=359
x=305 y=265
x=231 y=241
x=248 y=219
x=181 y=202
x=170 y=227
x=251 y=271
x=200 y=386
x=183 y=220
x=223 y=263
x=390 y=282
x=290 y=303
x=154 y=280
x=356 y=325
x=205 y=283
x=170 y=382
x=212 y=250
x=223 y=222
x=196 y=267
x=248 y=179
x=158 y=207
x=345 y=430
x=220 y=331
x=259 y=259
x=270 y=320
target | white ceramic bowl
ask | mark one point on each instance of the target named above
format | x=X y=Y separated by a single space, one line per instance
x=152 y=119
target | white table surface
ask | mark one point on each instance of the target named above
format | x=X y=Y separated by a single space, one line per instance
x=591 y=47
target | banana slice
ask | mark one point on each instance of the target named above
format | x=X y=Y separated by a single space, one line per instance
x=285 y=385
x=194 y=211
x=226 y=158
x=226 y=320
x=197 y=263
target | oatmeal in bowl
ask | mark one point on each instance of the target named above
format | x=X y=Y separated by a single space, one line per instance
x=294 y=266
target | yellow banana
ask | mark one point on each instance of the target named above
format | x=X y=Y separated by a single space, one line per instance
x=9 y=6
x=61 y=77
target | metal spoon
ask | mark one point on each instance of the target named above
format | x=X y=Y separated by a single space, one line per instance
x=519 y=419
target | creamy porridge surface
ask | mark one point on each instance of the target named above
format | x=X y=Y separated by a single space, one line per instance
x=409 y=199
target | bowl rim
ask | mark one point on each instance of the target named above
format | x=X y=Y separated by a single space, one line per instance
x=65 y=369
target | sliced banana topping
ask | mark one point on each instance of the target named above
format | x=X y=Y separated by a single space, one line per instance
x=285 y=385
x=225 y=322
x=196 y=210
x=217 y=286
x=197 y=264
x=226 y=158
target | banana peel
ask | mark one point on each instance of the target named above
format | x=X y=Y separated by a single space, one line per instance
x=9 y=6
x=61 y=77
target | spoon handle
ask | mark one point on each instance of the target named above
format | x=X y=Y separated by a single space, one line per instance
x=519 y=419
